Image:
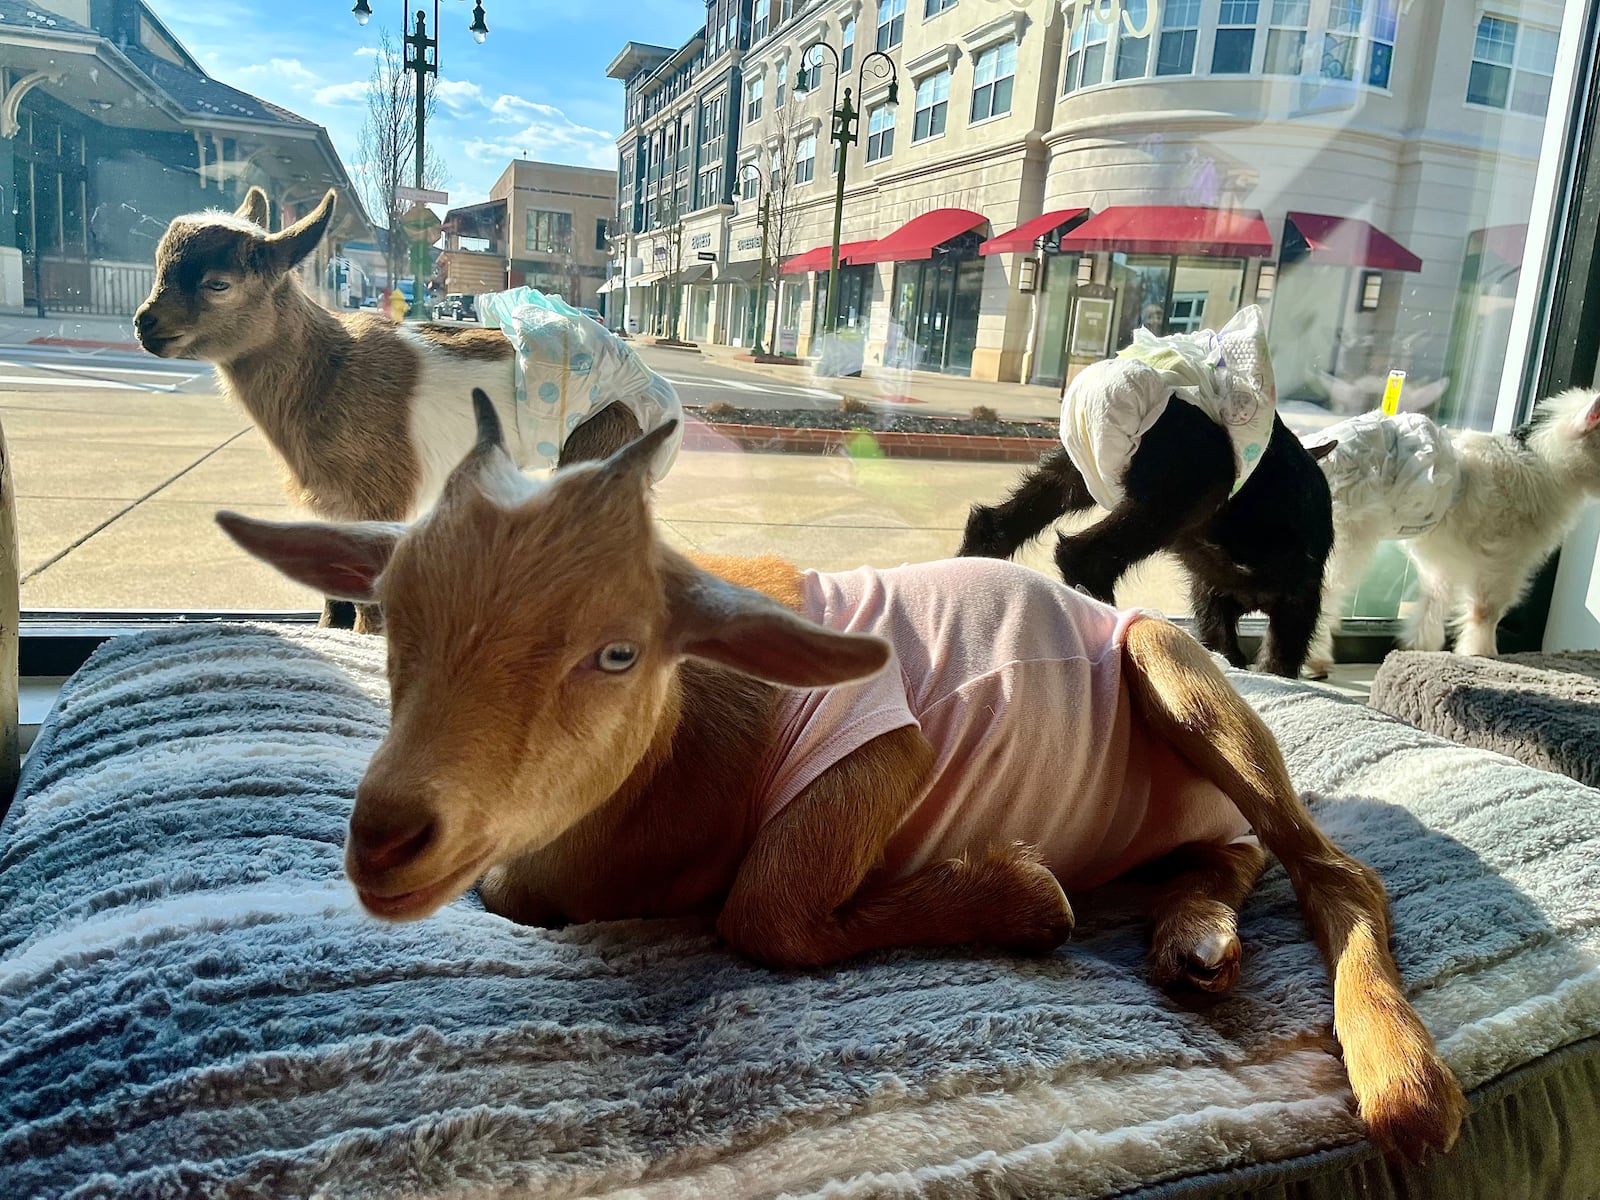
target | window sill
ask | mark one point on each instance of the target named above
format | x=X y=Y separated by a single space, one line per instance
x=932 y=137
x=989 y=120
x=1250 y=77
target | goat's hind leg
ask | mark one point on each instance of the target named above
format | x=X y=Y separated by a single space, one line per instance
x=1046 y=494
x=1411 y=1103
x=1194 y=922
x=338 y=614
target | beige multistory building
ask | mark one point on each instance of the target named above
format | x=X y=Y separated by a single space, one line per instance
x=1055 y=174
x=545 y=225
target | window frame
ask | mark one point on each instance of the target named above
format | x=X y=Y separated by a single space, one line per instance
x=882 y=138
x=847 y=44
x=991 y=89
x=805 y=164
x=892 y=32
x=1190 y=26
x=934 y=107
x=755 y=94
x=1238 y=26
x=1277 y=26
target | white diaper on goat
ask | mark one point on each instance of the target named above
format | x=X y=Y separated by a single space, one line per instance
x=1112 y=404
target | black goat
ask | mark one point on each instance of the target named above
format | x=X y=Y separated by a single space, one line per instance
x=1263 y=547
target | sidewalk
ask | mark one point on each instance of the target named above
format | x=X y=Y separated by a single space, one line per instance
x=931 y=392
x=115 y=501
x=67 y=329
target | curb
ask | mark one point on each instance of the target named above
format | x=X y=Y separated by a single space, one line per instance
x=778 y=439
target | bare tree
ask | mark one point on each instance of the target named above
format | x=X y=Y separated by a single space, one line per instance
x=388 y=146
x=781 y=135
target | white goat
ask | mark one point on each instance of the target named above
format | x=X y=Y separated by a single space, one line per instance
x=592 y=724
x=1520 y=495
x=368 y=418
x=1390 y=478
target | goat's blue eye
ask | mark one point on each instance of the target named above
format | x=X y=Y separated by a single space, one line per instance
x=617 y=657
x=217 y=285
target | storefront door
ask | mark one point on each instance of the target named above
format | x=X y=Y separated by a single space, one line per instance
x=936 y=312
x=1055 y=305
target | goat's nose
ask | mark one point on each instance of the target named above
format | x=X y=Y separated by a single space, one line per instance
x=144 y=320
x=383 y=846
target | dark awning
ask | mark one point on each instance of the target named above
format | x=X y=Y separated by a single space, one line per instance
x=1023 y=238
x=1349 y=242
x=1170 y=229
x=693 y=273
x=821 y=259
x=738 y=272
x=921 y=236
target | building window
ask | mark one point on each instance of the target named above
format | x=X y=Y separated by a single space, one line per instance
x=783 y=83
x=805 y=158
x=752 y=105
x=880 y=133
x=787 y=10
x=1286 y=37
x=1094 y=53
x=600 y=229
x=992 y=80
x=1180 y=32
x=759 y=30
x=1234 y=50
x=1133 y=53
x=749 y=181
x=549 y=232
x=932 y=8
x=809 y=77
x=1069 y=75
x=1340 y=43
x=933 y=99
x=1385 y=24
x=847 y=45
x=891 y=23
x=1512 y=66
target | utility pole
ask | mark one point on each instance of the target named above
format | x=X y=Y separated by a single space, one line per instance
x=422 y=67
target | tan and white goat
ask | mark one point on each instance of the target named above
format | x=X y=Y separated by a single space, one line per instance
x=368 y=418
x=584 y=721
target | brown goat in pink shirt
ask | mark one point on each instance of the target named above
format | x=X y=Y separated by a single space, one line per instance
x=591 y=725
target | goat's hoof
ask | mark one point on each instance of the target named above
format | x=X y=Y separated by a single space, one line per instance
x=1033 y=915
x=1197 y=951
x=1319 y=668
x=1417 y=1110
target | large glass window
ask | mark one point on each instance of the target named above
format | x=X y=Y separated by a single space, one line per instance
x=1233 y=50
x=933 y=99
x=1332 y=122
x=992 y=79
x=880 y=133
x=891 y=23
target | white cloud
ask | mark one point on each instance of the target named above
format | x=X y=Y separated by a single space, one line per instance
x=458 y=94
x=366 y=52
x=342 y=93
x=290 y=71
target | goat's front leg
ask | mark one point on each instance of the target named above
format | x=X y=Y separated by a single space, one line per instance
x=1411 y=1103
x=799 y=899
x=1045 y=494
x=338 y=614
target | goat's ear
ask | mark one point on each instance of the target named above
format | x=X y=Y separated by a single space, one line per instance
x=716 y=620
x=339 y=561
x=633 y=461
x=255 y=208
x=1321 y=450
x=280 y=251
x=1589 y=418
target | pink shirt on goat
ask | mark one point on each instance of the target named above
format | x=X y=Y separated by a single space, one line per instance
x=1017 y=681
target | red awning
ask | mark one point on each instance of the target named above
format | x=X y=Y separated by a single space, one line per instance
x=1348 y=242
x=921 y=236
x=1158 y=229
x=821 y=259
x=1021 y=239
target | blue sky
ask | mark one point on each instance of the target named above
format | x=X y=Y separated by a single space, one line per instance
x=537 y=88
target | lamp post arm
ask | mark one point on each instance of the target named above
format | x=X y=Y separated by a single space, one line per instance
x=838 y=70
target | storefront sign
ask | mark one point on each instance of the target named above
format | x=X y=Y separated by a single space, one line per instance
x=700 y=241
x=749 y=243
x=707 y=256
x=1091 y=327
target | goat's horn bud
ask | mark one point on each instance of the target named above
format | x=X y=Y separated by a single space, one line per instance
x=636 y=455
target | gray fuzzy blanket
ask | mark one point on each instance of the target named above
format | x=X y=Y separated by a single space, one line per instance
x=192 y=1004
x=1541 y=709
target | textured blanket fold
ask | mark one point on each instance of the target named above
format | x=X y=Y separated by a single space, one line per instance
x=192 y=1003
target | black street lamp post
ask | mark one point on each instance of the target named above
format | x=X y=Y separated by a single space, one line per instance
x=843 y=134
x=761 y=224
x=422 y=65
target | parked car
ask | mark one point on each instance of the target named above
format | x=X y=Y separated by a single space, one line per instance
x=457 y=306
x=593 y=314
